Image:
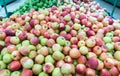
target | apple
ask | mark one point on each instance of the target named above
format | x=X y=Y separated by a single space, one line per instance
x=105 y=72
x=90 y=42
x=14 y=40
x=39 y=59
x=82 y=59
x=92 y=63
x=114 y=71
x=97 y=50
x=66 y=68
x=74 y=40
x=16 y=55
x=24 y=50
x=107 y=39
x=9 y=32
x=22 y=36
x=90 y=72
x=7 y=58
x=117 y=55
x=37 y=68
x=68 y=59
x=43 y=74
x=14 y=65
x=3 y=65
x=74 y=53
x=83 y=50
x=109 y=63
x=34 y=41
x=11 y=48
x=55 y=25
x=56 y=72
x=49 y=58
x=57 y=55
x=43 y=41
x=48 y=67
x=50 y=42
x=44 y=51
x=80 y=68
x=61 y=40
x=32 y=54
x=26 y=72
x=2 y=35
x=16 y=73
x=26 y=62
x=5 y=72
x=57 y=47
x=91 y=55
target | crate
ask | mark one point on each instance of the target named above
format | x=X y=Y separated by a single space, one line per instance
x=112 y=2
x=6 y=1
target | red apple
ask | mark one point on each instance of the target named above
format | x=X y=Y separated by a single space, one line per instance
x=80 y=68
x=26 y=72
x=14 y=65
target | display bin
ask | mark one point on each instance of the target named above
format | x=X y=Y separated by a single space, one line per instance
x=112 y=2
x=6 y=1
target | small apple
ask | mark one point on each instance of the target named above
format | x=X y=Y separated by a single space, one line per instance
x=61 y=40
x=56 y=72
x=14 y=40
x=14 y=65
x=26 y=72
x=74 y=53
x=24 y=50
x=92 y=63
x=49 y=59
x=7 y=58
x=117 y=55
x=80 y=68
x=37 y=68
x=16 y=73
x=3 y=65
x=48 y=67
x=39 y=59
x=57 y=55
x=26 y=62
x=43 y=74
x=5 y=72
x=16 y=55
x=83 y=50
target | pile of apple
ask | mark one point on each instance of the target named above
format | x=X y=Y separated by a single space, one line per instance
x=69 y=40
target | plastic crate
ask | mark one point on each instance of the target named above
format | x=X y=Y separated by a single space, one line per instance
x=112 y=2
x=6 y=1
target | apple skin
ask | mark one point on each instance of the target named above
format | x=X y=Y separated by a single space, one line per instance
x=5 y=72
x=7 y=58
x=50 y=42
x=92 y=63
x=97 y=50
x=82 y=59
x=24 y=50
x=32 y=54
x=90 y=42
x=109 y=63
x=22 y=36
x=2 y=35
x=48 y=67
x=37 y=68
x=59 y=63
x=68 y=59
x=66 y=68
x=56 y=72
x=14 y=40
x=14 y=65
x=74 y=40
x=34 y=41
x=3 y=65
x=44 y=51
x=57 y=55
x=90 y=72
x=39 y=59
x=16 y=55
x=114 y=71
x=105 y=72
x=16 y=73
x=61 y=40
x=26 y=62
x=117 y=46
x=117 y=55
x=49 y=58
x=83 y=50
x=11 y=48
x=80 y=68
x=66 y=50
x=74 y=53
x=26 y=72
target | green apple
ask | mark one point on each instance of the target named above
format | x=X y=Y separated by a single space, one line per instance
x=67 y=43
x=37 y=68
x=57 y=72
x=19 y=46
x=2 y=43
x=110 y=46
x=67 y=18
x=83 y=50
x=76 y=26
x=18 y=32
x=16 y=73
x=49 y=58
x=57 y=47
x=4 y=51
x=25 y=43
x=32 y=47
x=5 y=72
x=43 y=74
x=110 y=34
x=14 y=40
x=7 y=58
x=57 y=55
x=2 y=65
x=107 y=39
x=43 y=41
x=67 y=28
x=39 y=59
x=117 y=55
x=55 y=25
x=41 y=37
x=61 y=40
